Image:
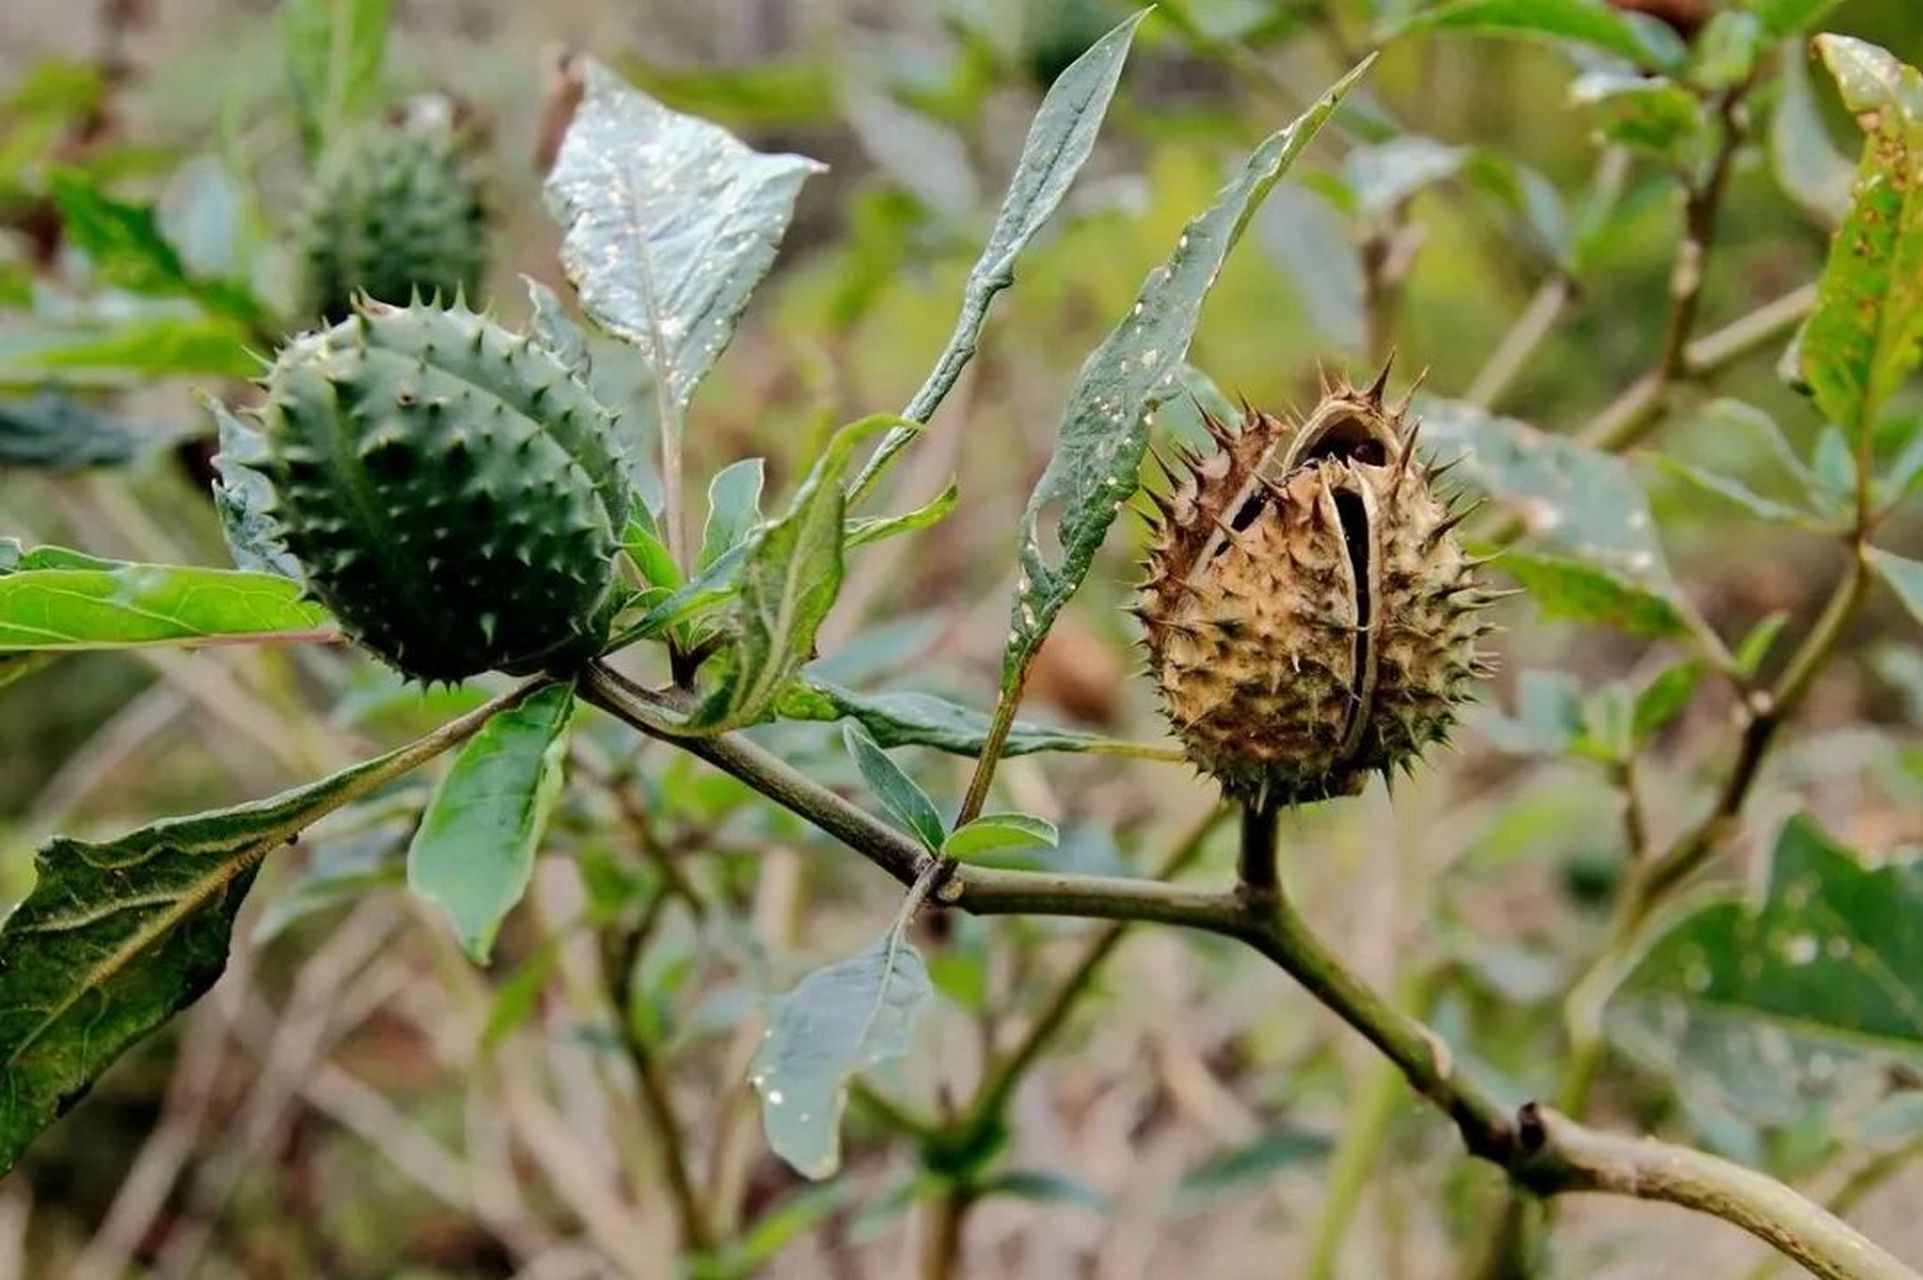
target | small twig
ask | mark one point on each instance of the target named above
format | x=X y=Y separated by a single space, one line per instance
x=651 y=1079
x=1524 y=336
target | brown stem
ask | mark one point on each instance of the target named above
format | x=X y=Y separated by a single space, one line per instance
x=655 y=1090
x=941 y=1246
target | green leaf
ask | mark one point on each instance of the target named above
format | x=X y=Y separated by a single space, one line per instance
x=1790 y=17
x=1760 y=640
x=734 y=508
x=1042 y=1187
x=898 y=792
x=15 y=558
x=552 y=328
x=1532 y=199
x=1653 y=115
x=1734 y=490
x=122 y=240
x=473 y=853
x=1591 y=22
x=1866 y=334
x=706 y=591
x=1578 y=592
x=866 y=529
x=1808 y=997
x=1905 y=577
x=1577 y=500
x=994 y=832
x=648 y=550
x=926 y=158
x=1727 y=51
x=516 y=998
x=837 y=1021
x=1059 y=141
x=125 y=245
x=334 y=50
x=243 y=496
x=1806 y=163
x=211 y=218
x=1239 y=1169
x=119 y=935
x=1549 y=716
x=143 y=604
x=1303 y=232
x=52 y=432
x=1665 y=698
x=1833 y=469
x=669 y=223
x=1104 y=430
x=1383 y=177
x=125 y=351
x=773 y=1230
x=789 y=577
x=904 y=719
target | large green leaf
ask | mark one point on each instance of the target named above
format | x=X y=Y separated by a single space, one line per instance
x=125 y=245
x=1059 y=141
x=111 y=605
x=669 y=221
x=334 y=50
x=1866 y=334
x=1576 y=591
x=473 y=853
x=789 y=577
x=1806 y=997
x=118 y=935
x=1104 y=430
x=1591 y=22
x=118 y=352
x=837 y=1021
x=1577 y=500
x=909 y=718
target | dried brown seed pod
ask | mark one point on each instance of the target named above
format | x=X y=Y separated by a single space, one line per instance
x=1311 y=616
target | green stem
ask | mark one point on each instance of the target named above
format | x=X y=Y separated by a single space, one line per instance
x=998 y=729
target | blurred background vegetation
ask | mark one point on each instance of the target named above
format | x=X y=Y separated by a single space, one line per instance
x=353 y=1101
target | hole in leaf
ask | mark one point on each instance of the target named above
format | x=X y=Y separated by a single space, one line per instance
x=1048 y=531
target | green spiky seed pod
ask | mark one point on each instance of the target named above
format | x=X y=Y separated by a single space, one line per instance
x=391 y=212
x=452 y=493
x=1311 y=617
